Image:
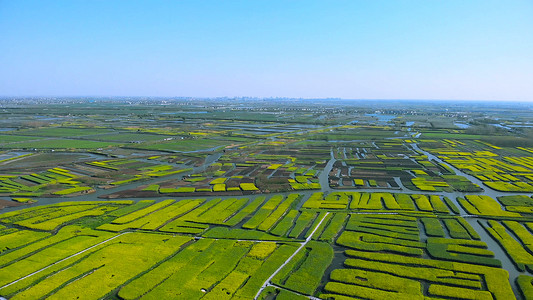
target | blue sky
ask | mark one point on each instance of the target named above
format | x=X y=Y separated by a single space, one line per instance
x=453 y=49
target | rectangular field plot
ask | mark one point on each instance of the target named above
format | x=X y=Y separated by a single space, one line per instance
x=42 y=253
x=58 y=144
x=51 y=217
x=378 y=201
x=484 y=206
x=211 y=269
x=304 y=272
x=54 y=181
x=100 y=270
x=516 y=240
x=365 y=246
x=392 y=276
x=388 y=257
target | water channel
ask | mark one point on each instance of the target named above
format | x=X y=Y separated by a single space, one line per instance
x=324 y=182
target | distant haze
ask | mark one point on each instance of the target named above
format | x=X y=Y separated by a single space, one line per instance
x=454 y=49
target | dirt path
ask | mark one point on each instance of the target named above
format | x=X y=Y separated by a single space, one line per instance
x=64 y=259
x=267 y=282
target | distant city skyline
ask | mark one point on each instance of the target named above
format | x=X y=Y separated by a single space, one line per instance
x=456 y=50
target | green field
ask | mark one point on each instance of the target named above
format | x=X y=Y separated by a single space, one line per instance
x=58 y=144
x=264 y=200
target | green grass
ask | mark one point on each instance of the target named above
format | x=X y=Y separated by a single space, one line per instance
x=468 y=251
x=436 y=271
x=377 y=243
x=377 y=280
x=63 y=132
x=149 y=280
x=456 y=230
x=4 y=138
x=485 y=206
x=107 y=268
x=58 y=144
x=451 y=136
x=249 y=209
x=285 y=224
x=278 y=212
x=333 y=228
x=155 y=219
x=433 y=227
x=222 y=211
x=19 y=238
x=184 y=145
x=214 y=264
x=525 y=283
x=241 y=234
x=53 y=223
x=516 y=251
x=263 y=212
x=66 y=242
x=303 y=222
x=129 y=137
x=142 y=212
x=305 y=270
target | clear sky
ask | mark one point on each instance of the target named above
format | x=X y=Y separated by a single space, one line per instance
x=452 y=49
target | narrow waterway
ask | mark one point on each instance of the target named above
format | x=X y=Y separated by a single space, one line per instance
x=325 y=188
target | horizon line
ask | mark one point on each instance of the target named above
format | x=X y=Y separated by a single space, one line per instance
x=3 y=97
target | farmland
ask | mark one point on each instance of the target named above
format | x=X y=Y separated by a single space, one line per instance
x=235 y=199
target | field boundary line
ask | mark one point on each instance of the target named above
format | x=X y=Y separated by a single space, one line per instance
x=64 y=259
x=267 y=282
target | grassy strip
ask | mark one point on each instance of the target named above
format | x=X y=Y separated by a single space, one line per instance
x=270 y=265
x=437 y=204
x=521 y=233
x=240 y=234
x=156 y=219
x=520 y=257
x=321 y=227
x=20 y=238
x=143 y=212
x=433 y=227
x=203 y=272
x=263 y=212
x=471 y=231
x=41 y=254
x=377 y=243
x=249 y=209
x=422 y=202
x=485 y=206
x=455 y=273
x=131 y=208
x=73 y=190
x=456 y=230
x=278 y=213
x=149 y=280
x=107 y=268
x=222 y=211
x=405 y=201
x=54 y=223
x=468 y=251
x=451 y=205
x=46 y=213
x=377 y=280
x=305 y=276
x=285 y=224
x=303 y=221
x=365 y=292
x=244 y=270
x=450 y=292
x=525 y=284
x=333 y=228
